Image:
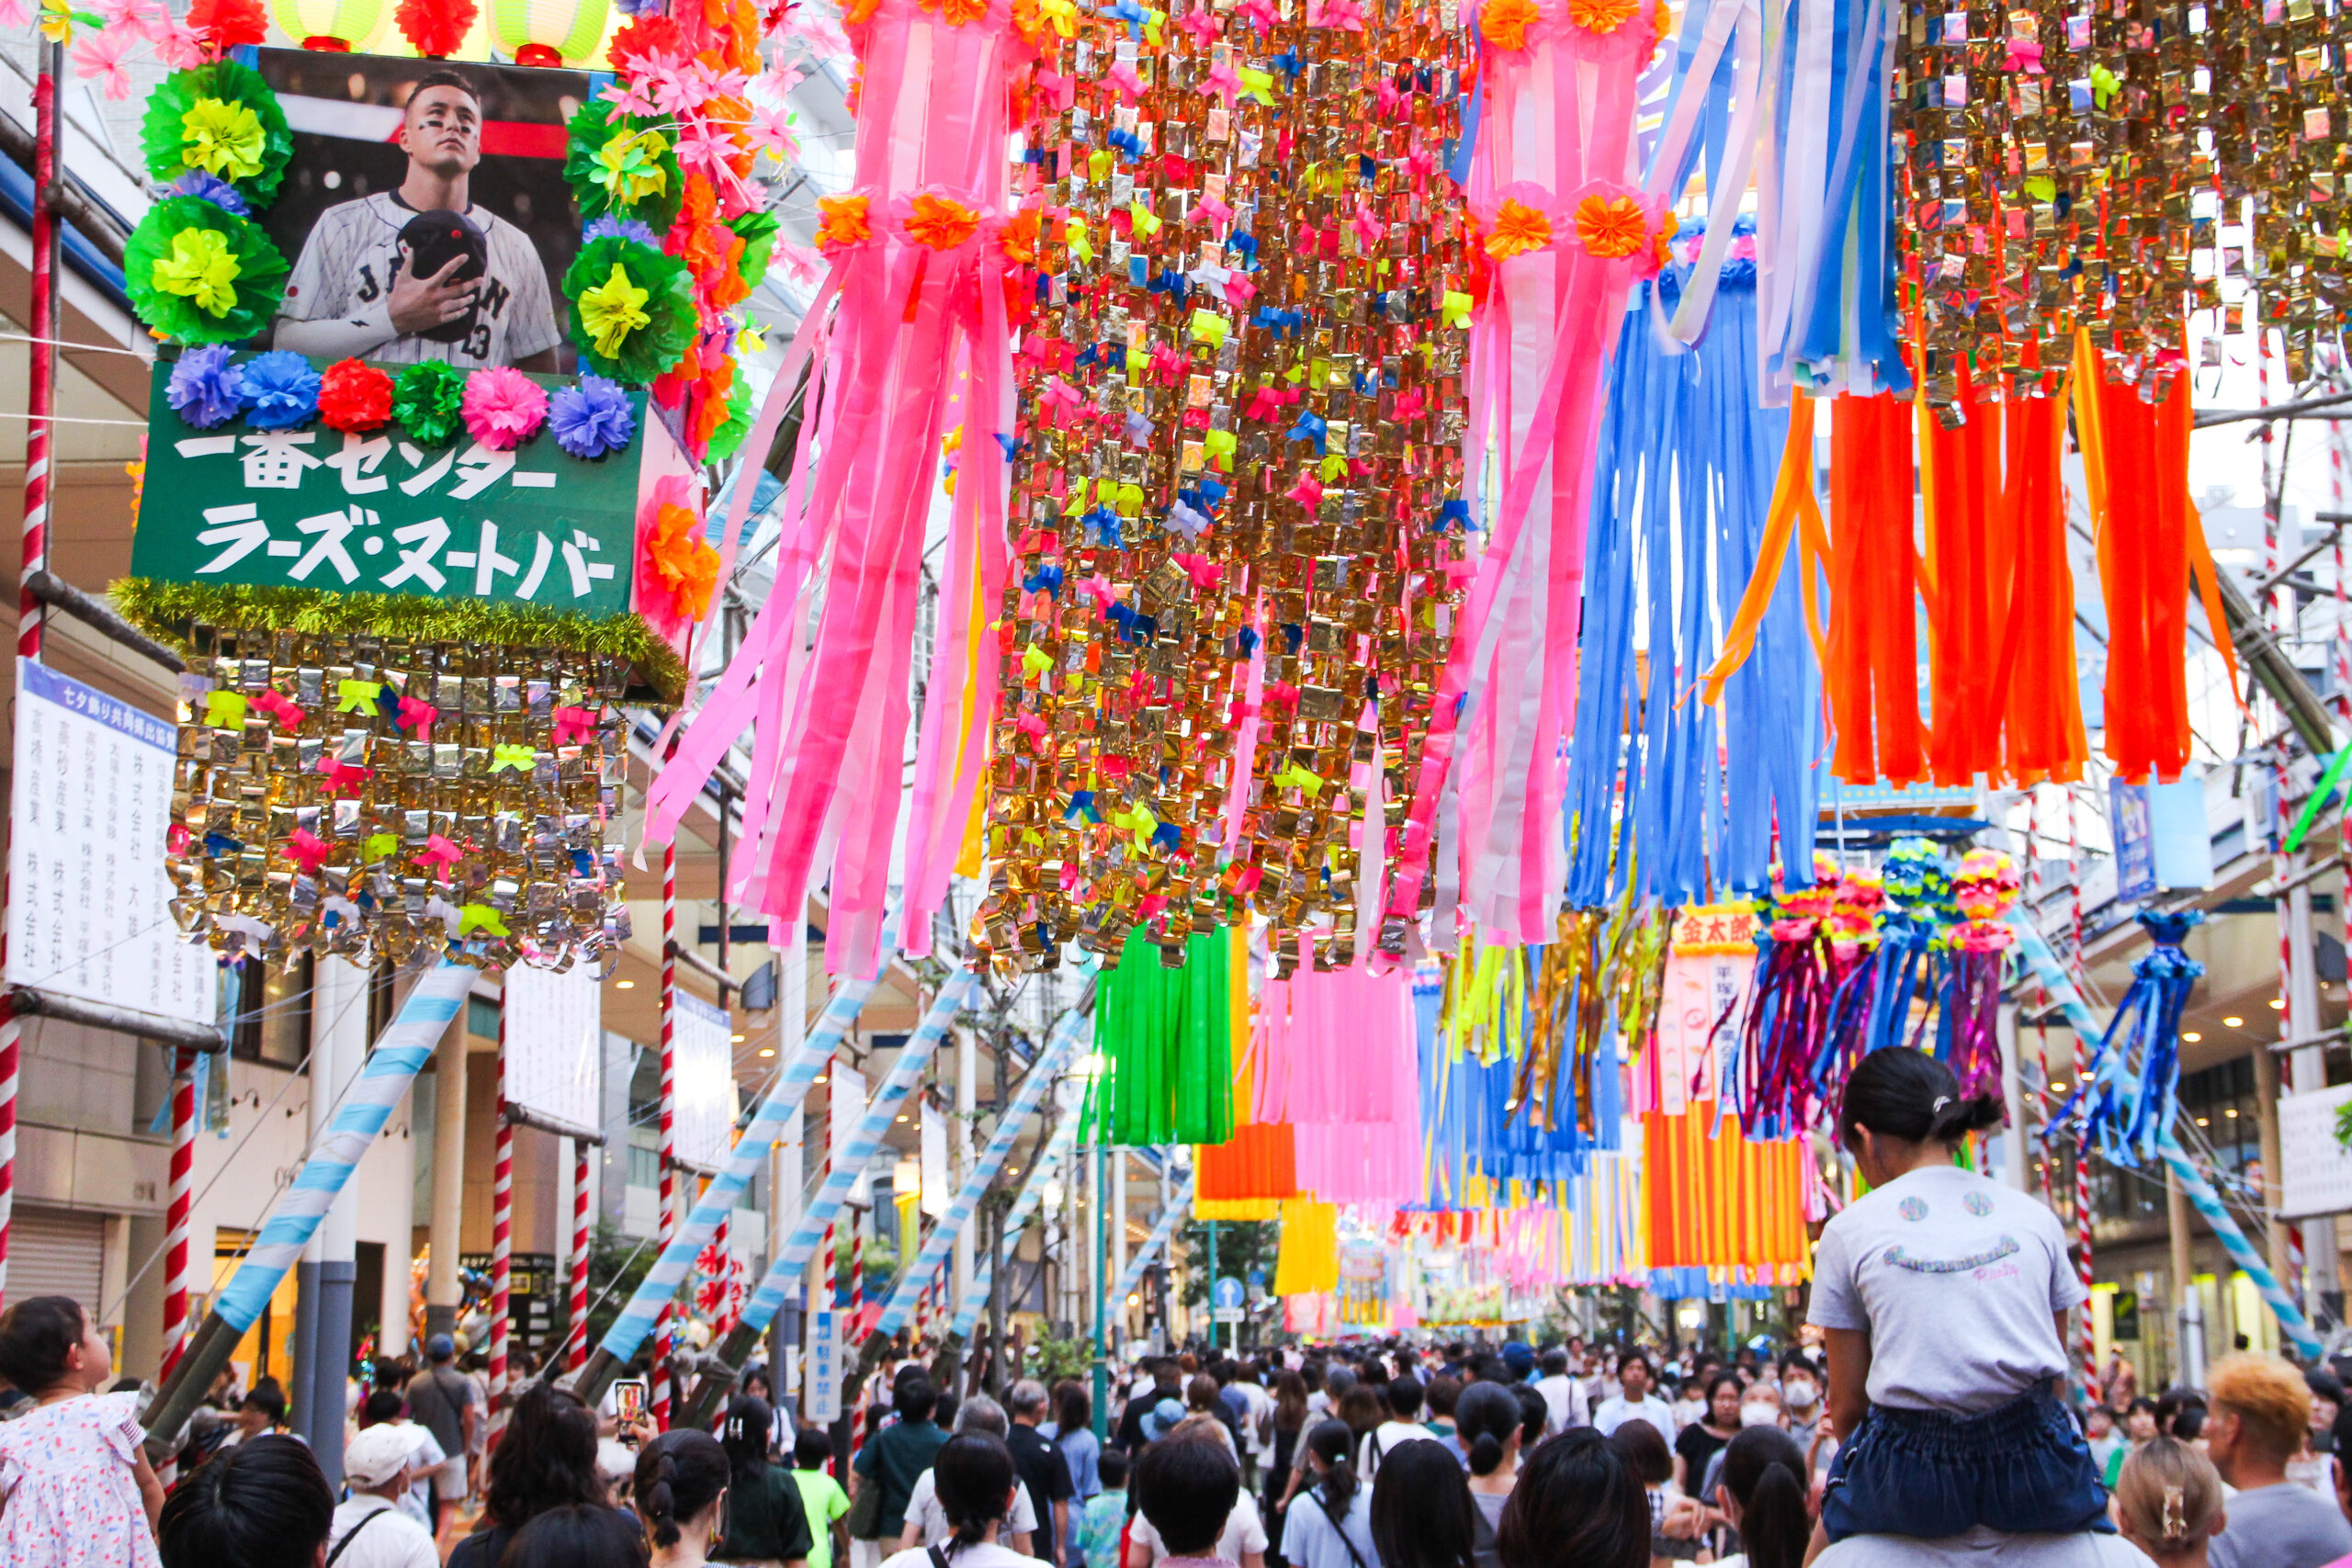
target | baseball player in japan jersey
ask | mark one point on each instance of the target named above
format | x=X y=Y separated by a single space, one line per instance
x=419 y=272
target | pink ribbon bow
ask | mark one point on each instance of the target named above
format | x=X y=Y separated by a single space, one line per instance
x=1222 y=83
x=2024 y=56
x=1098 y=588
x=1421 y=164
x=1409 y=405
x=308 y=851
x=1122 y=76
x=280 y=708
x=1240 y=289
x=1058 y=398
x=1259 y=13
x=1031 y=725
x=439 y=853
x=1205 y=573
x=1280 y=697
x=1200 y=24
x=1268 y=403
x=1368 y=229
x=1212 y=212
x=573 y=725
x=1060 y=91
x=1308 y=492
x=1341 y=13
x=1166 y=365
x=1388 y=98
x=418 y=716
x=341 y=776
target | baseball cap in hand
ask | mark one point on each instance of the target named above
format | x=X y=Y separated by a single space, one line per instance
x=432 y=240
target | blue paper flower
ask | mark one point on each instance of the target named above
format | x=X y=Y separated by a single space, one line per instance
x=591 y=418
x=620 y=228
x=279 y=390
x=214 y=189
x=203 y=386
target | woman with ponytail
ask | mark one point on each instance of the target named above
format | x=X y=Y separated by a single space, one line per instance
x=767 y=1523
x=681 y=1492
x=1944 y=1299
x=974 y=1481
x=1487 y=1423
x=1762 y=1493
x=1330 y=1522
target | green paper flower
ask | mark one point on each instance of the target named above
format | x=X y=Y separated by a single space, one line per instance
x=202 y=274
x=428 y=400
x=632 y=309
x=612 y=162
x=223 y=118
x=729 y=436
x=757 y=231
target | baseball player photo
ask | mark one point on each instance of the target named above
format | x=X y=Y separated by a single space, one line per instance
x=421 y=271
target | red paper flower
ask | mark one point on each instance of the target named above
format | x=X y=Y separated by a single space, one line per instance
x=354 y=397
x=643 y=36
x=436 y=26
x=225 y=24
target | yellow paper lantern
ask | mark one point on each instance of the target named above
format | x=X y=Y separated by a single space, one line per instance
x=339 y=27
x=549 y=32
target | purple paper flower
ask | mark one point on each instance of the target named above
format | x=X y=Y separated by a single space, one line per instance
x=622 y=228
x=214 y=189
x=591 y=418
x=203 y=387
x=279 y=390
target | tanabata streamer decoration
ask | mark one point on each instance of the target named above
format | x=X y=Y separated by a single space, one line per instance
x=1716 y=1200
x=1336 y=1056
x=2085 y=167
x=1237 y=486
x=1308 y=1260
x=1166 y=1036
x=2125 y=1105
x=1686 y=463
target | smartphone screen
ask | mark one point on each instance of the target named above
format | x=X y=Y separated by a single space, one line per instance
x=629 y=1399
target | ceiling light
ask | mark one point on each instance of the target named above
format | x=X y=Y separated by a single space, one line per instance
x=902 y=1117
x=2233 y=1021
x=2232 y=1111
x=2278 y=1004
x=2204 y=1122
x=767 y=1050
x=627 y=984
x=2057 y=1086
x=2192 y=1037
x=821 y=1077
x=737 y=1038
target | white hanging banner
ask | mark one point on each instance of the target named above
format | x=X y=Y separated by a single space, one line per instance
x=2315 y=1170
x=90 y=803
x=937 y=1190
x=846 y=1108
x=706 y=1101
x=555 y=1039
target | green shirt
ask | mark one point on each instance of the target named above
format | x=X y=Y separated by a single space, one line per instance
x=765 y=1519
x=822 y=1497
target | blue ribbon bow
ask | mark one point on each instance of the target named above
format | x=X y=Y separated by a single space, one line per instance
x=1310 y=427
x=1173 y=284
x=1280 y=323
x=1129 y=12
x=1288 y=62
x=1081 y=804
x=1045 y=579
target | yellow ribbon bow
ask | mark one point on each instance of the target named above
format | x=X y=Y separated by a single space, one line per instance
x=200 y=267
x=1259 y=85
x=378 y=845
x=222 y=138
x=357 y=696
x=1457 y=308
x=1139 y=823
x=1146 y=222
x=1219 y=444
x=628 y=166
x=1035 y=661
x=1296 y=777
x=1080 y=247
x=481 y=918
x=225 y=710
x=1129 y=500
x=613 y=309
x=520 y=757
x=1209 y=327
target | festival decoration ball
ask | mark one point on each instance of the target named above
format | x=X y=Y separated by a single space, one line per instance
x=339 y=27
x=549 y=32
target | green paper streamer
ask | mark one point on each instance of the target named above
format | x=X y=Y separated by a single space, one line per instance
x=1166 y=1039
x=2320 y=797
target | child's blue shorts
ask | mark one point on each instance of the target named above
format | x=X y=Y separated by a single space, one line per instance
x=2019 y=1467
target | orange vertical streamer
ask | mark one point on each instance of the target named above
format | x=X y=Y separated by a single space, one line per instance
x=2144 y=564
x=2041 y=693
x=1970 y=562
x=1872 y=679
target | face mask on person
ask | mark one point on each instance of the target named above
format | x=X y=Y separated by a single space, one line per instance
x=1758 y=1414
x=1797 y=1395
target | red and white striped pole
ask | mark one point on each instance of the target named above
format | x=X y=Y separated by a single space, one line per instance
x=664 y=1326
x=501 y=1245
x=849 y=1339
x=179 y=1205
x=2089 y=1334
x=41 y=402
x=577 y=1338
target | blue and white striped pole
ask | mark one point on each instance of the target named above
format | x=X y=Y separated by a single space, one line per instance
x=1033 y=1192
x=2053 y=978
x=856 y=1153
x=751 y=1152
x=1178 y=1207
x=1065 y=1039
x=405 y=1047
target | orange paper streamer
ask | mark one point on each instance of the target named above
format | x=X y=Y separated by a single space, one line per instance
x=1870 y=678
x=2145 y=517
x=1720 y=1201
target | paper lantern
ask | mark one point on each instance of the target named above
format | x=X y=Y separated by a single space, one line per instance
x=338 y=26
x=549 y=32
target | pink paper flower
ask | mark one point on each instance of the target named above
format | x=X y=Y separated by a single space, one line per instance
x=504 y=408
x=100 y=55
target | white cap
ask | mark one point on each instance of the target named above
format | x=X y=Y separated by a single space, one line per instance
x=376 y=1455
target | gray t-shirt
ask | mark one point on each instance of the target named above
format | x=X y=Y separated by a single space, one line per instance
x=1956 y=1280
x=2286 y=1526
x=1982 y=1548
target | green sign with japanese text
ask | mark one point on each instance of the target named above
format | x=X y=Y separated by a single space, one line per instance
x=320 y=508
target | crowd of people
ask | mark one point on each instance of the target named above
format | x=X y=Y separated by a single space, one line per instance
x=1931 y=1427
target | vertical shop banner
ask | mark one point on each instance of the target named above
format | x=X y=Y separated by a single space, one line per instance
x=824 y=1374
x=1707 y=975
x=707 y=1099
x=90 y=806
x=555 y=1032
x=938 y=1189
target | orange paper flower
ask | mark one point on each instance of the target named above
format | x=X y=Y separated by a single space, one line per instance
x=1020 y=236
x=1504 y=23
x=1611 y=226
x=1662 y=245
x=941 y=223
x=858 y=11
x=842 y=221
x=1519 y=229
x=957 y=13
x=682 y=562
x=1601 y=15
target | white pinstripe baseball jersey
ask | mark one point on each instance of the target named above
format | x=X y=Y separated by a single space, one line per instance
x=353 y=253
